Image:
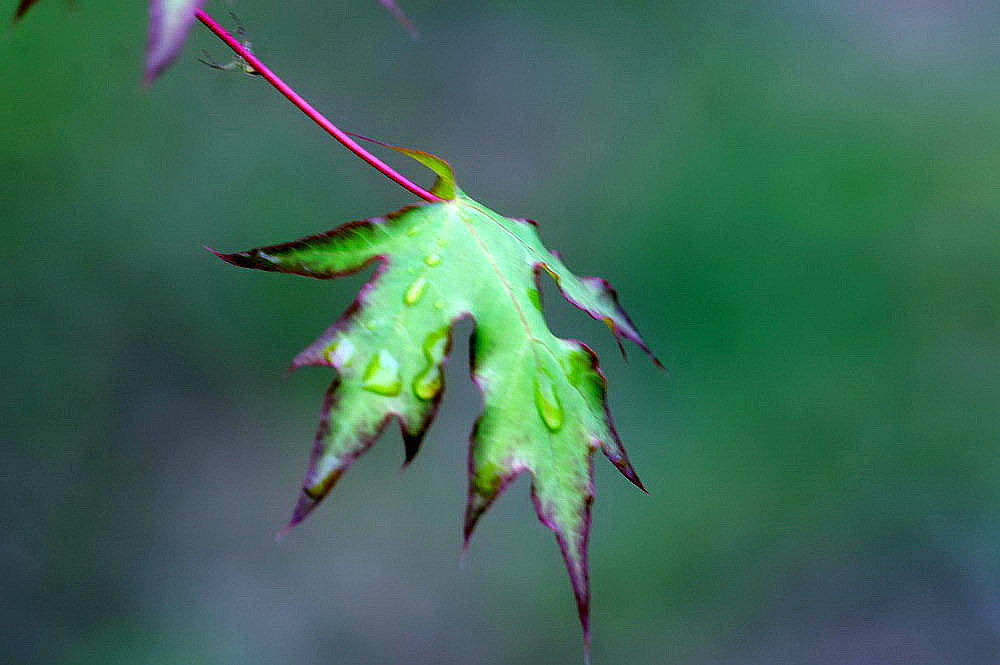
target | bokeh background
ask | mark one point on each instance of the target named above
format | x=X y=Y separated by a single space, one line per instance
x=798 y=202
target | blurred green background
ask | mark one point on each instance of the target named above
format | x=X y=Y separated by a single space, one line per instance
x=797 y=201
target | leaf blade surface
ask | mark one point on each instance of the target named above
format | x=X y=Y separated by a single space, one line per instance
x=544 y=398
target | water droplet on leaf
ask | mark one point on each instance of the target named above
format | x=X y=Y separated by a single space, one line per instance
x=269 y=258
x=428 y=383
x=382 y=375
x=547 y=403
x=435 y=345
x=415 y=291
x=340 y=352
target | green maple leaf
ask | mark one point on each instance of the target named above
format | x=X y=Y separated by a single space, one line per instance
x=544 y=397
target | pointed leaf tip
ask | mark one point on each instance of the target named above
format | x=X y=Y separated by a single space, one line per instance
x=626 y=469
x=572 y=530
x=169 y=24
x=22 y=9
x=303 y=507
x=411 y=446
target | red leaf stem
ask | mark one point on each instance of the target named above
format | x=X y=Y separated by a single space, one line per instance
x=315 y=115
